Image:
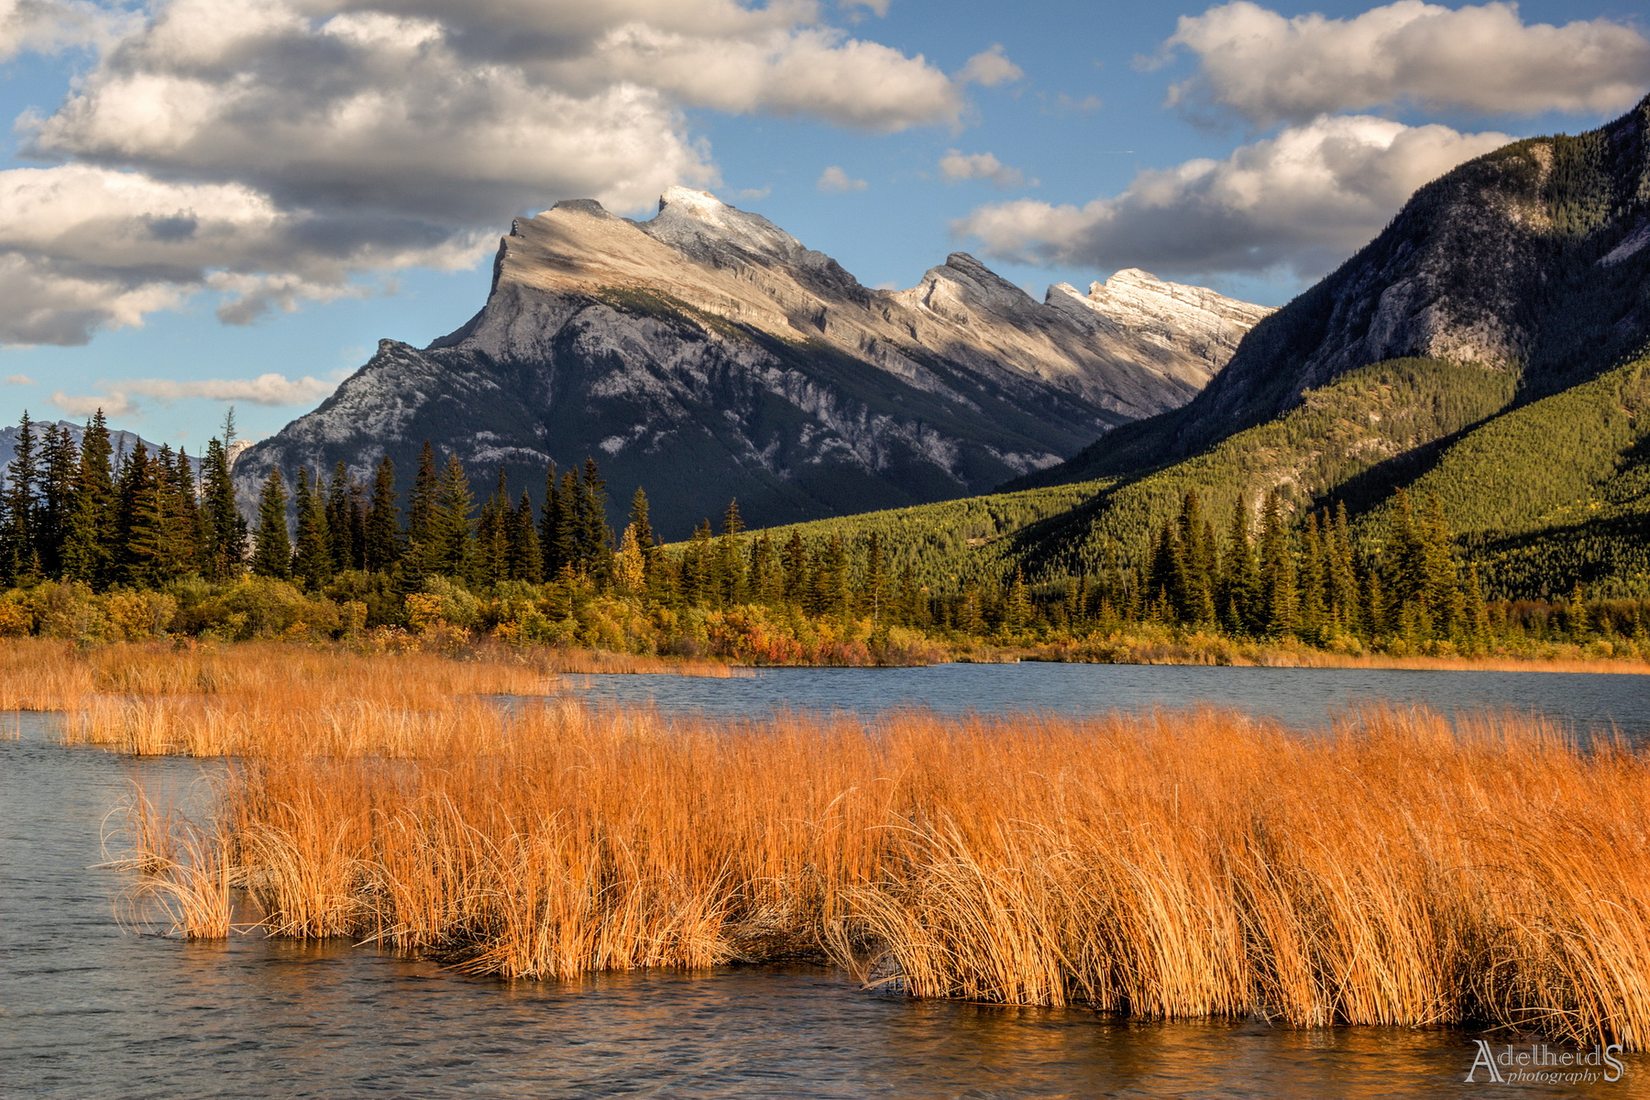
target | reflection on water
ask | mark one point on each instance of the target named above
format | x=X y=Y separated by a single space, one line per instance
x=88 y=1010
x=1303 y=697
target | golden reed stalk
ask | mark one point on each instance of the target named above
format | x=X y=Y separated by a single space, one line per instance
x=1391 y=870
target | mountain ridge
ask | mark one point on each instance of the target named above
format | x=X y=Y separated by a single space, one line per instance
x=709 y=340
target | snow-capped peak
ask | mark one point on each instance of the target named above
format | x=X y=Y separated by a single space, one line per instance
x=699 y=201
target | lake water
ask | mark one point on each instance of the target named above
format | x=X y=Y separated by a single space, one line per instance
x=1306 y=698
x=89 y=1009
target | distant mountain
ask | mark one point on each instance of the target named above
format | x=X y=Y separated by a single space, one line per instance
x=706 y=355
x=1491 y=348
x=122 y=441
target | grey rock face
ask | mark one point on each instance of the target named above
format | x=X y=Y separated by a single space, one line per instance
x=706 y=354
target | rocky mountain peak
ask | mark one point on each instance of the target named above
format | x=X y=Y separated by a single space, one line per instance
x=708 y=338
x=699 y=223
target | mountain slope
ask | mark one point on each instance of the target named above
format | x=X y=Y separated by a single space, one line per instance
x=1533 y=259
x=1515 y=293
x=706 y=354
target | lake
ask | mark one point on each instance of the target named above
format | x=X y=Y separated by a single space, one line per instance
x=1302 y=697
x=89 y=1009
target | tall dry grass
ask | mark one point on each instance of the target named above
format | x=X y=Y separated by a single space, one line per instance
x=1392 y=870
x=40 y=674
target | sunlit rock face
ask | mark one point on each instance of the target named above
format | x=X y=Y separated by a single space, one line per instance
x=706 y=354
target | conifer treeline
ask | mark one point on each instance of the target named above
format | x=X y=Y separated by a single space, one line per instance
x=138 y=520
x=142 y=520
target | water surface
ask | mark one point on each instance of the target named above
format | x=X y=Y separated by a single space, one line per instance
x=89 y=1009
x=1302 y=697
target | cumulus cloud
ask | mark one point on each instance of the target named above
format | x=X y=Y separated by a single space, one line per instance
x=835 y=179
x=50 y=26
x=78 y=405
x=275 y=152
x=1484 y=59
x=266 y=389
x=19 y=380
x=990 y=68
x=956 y=167
x=1300 y=201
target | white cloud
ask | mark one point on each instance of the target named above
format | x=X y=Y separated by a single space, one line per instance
x=113 y=405
x=1483 y=59
x=1302 y=201
x=956 y=167
x=990 y=68
x=51 y=26
x=271 y=389
x=19 y=380
x=273 y=152
x=835 y=179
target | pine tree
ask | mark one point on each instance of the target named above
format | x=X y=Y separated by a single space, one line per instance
x=550 y=524
x=17 y=542
x=1313 y=580
x=494 y=530
x=422 y=536
x=60 y=470
x=526 y=558
x=341 y=522
x=224 y=531
x=1343 y=576
x=1194 y=579
x=767 y=577
x=89 y=550
x=566 y=538
x=1240 y=577
x=730 y=559
x=272 y=550
x=594 y=537
x=383 y=536
x=797 y=566
x=181 y=501
x=452 y=541
x=876 y=578
x=144 y=551
x=312 y=555
x=1277 y=569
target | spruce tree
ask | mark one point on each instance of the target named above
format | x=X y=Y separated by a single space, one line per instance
x=17 y=541
x=453 y=545
x=272 y=549
x=421 y=522
x=1240 y=576
x=595 y=538
x=224 y=531
x=526 y=558
x=382 y=536
x=143 y=554
x=565 y=539
x=342 y=525
x=312 y=555
x=1277 y=569
x=550 y=523
x=89 y=550
x=60 y=470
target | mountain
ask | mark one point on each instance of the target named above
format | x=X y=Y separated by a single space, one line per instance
x=706 y=354
x=1532 y=260
x=1491 y=348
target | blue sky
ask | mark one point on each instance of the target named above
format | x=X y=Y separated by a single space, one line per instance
x=206 y=202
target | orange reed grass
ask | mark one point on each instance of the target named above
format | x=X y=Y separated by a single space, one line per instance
x=1393 y=870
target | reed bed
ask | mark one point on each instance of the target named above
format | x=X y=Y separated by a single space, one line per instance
x=1392 y=870
x=43 y=675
